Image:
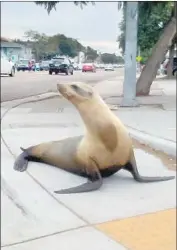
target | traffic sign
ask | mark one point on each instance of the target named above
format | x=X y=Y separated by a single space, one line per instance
x=139 y=58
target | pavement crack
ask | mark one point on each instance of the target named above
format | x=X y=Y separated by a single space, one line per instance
x=42 y=237
x=10 y=194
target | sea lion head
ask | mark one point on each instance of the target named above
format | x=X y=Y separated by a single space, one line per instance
x=76 y=92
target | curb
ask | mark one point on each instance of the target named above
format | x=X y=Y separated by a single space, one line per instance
x=47 y=95
x=166 y=146
x=31 y=99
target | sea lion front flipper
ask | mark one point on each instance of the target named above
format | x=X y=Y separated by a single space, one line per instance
x=86 y=187
x=94 y=182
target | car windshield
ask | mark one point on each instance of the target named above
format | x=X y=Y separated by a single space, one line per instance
x=88 y=64
x=45 y=63
x=23 y=62
x=58 y=60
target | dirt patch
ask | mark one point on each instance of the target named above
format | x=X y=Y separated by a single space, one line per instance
x=168 y=161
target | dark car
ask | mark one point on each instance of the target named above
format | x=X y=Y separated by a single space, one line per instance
x=60 y=65
x=23 y=65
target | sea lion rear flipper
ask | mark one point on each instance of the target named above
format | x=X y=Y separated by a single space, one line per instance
x=94 y=182
x=132 y=168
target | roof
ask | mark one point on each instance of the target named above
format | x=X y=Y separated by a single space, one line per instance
x=4 y=39
x=11 y=45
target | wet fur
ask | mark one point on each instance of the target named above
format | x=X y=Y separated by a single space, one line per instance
x=105 y=148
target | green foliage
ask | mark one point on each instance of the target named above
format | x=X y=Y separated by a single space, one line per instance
x=45 y=47
x=111 y=58
x=153 y=17
x=50 y=5
x=91 y=54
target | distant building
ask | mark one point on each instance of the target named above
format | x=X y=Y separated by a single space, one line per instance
x=15 y=51
x=81 y=57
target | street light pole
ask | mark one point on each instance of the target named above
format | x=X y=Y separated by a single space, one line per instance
x=129 y=87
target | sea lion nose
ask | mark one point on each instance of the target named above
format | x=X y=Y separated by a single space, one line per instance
x=59 y=86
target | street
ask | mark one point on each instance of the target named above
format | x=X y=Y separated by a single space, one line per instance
x=26 y=84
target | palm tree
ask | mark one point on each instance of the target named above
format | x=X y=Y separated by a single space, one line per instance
x=52 y=4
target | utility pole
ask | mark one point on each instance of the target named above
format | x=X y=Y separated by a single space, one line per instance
x=129 y=87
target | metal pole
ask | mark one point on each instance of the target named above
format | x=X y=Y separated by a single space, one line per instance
x=129 y=87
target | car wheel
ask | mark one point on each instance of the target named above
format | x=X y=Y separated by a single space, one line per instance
x=50 y=72
x=12 y=72
x=67 y=72
x=56 y=72
x=72 y=72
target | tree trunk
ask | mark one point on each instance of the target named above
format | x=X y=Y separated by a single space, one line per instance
x=150 y=70
x=170 y=63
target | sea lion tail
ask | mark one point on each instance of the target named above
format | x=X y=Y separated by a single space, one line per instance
x=132 y=168
x=21 y=163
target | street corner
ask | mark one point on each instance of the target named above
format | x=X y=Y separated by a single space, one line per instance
x=145 y=232
x=78 y=239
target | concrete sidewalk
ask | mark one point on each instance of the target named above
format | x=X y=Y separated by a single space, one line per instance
x=122 y=215
x=154 y=121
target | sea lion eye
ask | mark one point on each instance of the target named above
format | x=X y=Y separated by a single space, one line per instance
x=74 y=86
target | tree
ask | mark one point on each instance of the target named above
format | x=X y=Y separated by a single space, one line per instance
x=111 y=58
x=38 y=42
x=153 y=17
x=157 y=55
x=155 y=31
x=46 y=47
x=90 y=54
x=52 y=4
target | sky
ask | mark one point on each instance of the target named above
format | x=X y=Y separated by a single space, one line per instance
x=95 y=26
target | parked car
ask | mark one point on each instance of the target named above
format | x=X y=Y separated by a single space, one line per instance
x=36 y=67
x=109 y=68
x=80 y=65
x=60 y=65
x=23 y=65
x=7 y=67
x=88 y=67
x=75 y=66
x=174 y=72
x=44 y=65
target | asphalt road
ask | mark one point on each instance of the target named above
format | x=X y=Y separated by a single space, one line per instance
x=26 y=84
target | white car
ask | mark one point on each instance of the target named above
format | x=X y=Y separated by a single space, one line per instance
x=109 y=68
x=7 y=68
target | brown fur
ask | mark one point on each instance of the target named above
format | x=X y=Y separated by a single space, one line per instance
x=108 y=135
x=106 y=138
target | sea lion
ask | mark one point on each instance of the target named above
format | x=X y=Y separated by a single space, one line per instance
x=104 y=149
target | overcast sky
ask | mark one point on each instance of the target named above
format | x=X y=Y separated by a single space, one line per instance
x=96 y=26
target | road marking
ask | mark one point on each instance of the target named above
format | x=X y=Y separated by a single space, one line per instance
x=146 y=232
